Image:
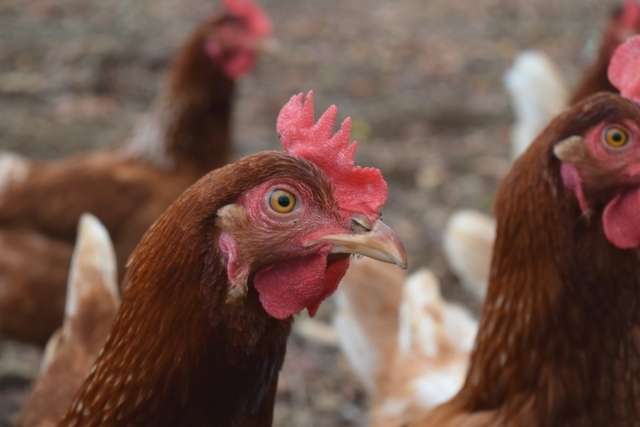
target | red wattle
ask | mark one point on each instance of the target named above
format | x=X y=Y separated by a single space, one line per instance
x=289 y=287
x=239 y=64
x=334 y=274
x=621 y=219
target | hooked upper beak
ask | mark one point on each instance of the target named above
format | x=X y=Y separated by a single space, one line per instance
x=377 y=242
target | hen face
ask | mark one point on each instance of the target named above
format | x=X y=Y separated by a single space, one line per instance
x=602 y=168
x=288 y=238
x=234 y=41
x=627 y=22
x=233 y=48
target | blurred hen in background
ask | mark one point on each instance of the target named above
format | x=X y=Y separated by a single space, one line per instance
x=407 y=345
x=186 y=134
x=538 y=93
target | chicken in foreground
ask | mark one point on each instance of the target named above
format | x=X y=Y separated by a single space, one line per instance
x=211 y=290
x=407 y=345
x=186 y=135
x=538 y=93
x=92 y=301
x=559 y=333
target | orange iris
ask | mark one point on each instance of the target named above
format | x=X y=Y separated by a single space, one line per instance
x=282 y=201
x=616 y=137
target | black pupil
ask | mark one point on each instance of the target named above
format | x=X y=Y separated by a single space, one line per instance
x=284 y=201
x=617 y=136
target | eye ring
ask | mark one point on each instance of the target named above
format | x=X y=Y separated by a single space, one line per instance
x=282 y=201
x=615 y=136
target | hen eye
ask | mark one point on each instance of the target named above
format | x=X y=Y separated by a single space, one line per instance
x=282 y=201
x=615 y=136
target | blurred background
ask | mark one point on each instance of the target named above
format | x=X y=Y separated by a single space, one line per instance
x=422 y=81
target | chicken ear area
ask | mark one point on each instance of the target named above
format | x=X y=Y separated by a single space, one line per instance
x=288 y=287
x=621 y=219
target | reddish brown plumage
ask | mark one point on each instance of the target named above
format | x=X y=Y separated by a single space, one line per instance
x=212 y=287
x=187 y=348
x=211 y=290
x=558 y=342
x=186 y=135
x=198 y=133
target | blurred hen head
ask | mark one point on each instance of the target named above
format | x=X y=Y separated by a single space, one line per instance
x=601 y=164
x=292 y=235
x=234 y=40
x=626 y=21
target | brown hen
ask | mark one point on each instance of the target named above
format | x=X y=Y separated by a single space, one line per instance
x=211 y=289
x=538 y=94
x=559 y=336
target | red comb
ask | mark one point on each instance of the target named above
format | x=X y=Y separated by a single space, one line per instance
x=624 y=66
x=357 y=189
x=256 y=18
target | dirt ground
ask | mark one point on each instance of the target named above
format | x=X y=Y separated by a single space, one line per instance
x=422 y=81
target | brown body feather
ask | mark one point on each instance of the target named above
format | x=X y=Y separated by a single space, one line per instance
x=186 y=135
x=19 y=309
x=559 y=339
x=184 y=349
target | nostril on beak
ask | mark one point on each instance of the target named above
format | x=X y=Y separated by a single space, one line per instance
x=360 y=224
x=375 y=241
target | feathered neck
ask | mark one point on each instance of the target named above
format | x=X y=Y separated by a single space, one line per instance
x=559 y=334
x=178 y=354
x=190 y=122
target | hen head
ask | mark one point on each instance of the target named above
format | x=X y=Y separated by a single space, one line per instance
x=292 y=235
x=234 y=40
x=600 y=164
x=626 y=21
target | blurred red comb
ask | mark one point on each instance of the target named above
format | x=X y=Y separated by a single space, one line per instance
x=357 y=189
x=256 y=18
x=623 y=68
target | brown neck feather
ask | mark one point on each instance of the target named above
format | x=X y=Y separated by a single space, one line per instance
x=559 y=335
x=190 y=126
x=179 y=353
x=200 y=131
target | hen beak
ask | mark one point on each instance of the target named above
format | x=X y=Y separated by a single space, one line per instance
x=377 y=242
x=266 y=46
